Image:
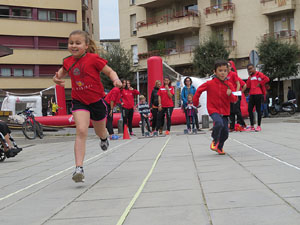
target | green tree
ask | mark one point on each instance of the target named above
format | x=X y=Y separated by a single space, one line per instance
x=120 y=61
x=279 y=59
x=207 y=53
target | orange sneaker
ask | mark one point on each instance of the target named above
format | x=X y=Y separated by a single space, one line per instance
x=221 y=152
x=167 y=132
x=213 y=146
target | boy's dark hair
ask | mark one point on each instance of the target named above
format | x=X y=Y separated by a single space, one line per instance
x=250 y=64
x=220 y=62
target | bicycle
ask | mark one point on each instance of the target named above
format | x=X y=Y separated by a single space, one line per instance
x=31 y=128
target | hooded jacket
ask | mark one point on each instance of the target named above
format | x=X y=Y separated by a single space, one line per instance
x=217 y=99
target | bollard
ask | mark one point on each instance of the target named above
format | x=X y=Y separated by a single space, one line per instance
x=205 y=121
x=120 y=126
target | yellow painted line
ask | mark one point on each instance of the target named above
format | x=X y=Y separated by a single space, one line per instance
x=137 y=194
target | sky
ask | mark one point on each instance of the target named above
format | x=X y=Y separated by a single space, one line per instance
x=109 y=19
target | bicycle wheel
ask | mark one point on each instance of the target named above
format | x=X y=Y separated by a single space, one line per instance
x=39 y=130
x=29 y=130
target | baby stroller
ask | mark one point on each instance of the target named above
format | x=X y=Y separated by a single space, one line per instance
x=11 y=152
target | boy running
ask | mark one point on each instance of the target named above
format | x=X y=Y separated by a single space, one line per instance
x=219 y=96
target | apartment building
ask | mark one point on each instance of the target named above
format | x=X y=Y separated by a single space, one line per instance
x=37 y=32
x=172 y=28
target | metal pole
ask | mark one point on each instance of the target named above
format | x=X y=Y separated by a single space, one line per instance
x=138 y=84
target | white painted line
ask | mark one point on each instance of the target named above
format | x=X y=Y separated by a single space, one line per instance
x=265 y=154
x=62 y=171
x=137 y=194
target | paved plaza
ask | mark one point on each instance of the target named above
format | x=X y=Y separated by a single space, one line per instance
x=172 y=180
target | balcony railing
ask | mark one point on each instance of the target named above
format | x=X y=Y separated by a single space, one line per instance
x=167 y=18
x=188 y=49
x=283 y=34
x=230 y=43
x=219 y=8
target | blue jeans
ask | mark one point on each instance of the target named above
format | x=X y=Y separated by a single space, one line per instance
x=220 y=129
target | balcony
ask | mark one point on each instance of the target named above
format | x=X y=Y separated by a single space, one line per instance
x=270 y=7
x=153 y=3
x=219 y=14
x=179 y=22
x=173 y=56
x=283 y=35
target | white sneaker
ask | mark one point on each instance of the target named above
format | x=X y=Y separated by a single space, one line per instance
x=78 y=175
x=104 y=144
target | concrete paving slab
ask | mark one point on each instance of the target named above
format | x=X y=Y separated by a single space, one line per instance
x=176 y=215
x=266 y=215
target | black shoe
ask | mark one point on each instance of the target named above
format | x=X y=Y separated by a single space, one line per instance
x=10 y=153
x=16 y=149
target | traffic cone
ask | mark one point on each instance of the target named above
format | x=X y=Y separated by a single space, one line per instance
x=125 y=132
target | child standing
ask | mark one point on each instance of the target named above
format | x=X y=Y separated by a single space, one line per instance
x=219 y=97
x=190 y=113
x=144 y=111
x=84 y=67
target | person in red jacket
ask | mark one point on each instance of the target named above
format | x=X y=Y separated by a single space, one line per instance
x=165 y=104
x=219 y=96
x=112 y=99
x=256 y=83
x=128 y=94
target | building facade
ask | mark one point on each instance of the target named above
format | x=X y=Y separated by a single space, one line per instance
x=172 y=28
x=38 y=31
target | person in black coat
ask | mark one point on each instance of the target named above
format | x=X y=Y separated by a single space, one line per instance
x=154 y=104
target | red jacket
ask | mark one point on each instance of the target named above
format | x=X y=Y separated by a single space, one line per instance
x=128 y=98
x=166 y=101
x=114 y=95
x=254 y=80
x=217 y=99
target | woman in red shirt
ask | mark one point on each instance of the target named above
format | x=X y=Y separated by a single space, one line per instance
x=256 y=83
x=165 y=104
x=128 y=94
x=84 y=67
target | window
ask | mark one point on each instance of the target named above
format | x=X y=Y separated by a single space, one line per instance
x=5 y=72
x=42 y=15
x=135 y=58
x=22 y=13
x=54 y=15
x=18 y=72
x=132 y=2
x=62 y=45
x=133 y=25
x=28 y=73
x=4 y=12
x=23 y=72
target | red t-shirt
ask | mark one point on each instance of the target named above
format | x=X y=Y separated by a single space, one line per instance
x=85 y=77
x=217 y=99
x=254 y=80
x=128 y=98
x=114 y=95
x=166 y=101
x=232 y=77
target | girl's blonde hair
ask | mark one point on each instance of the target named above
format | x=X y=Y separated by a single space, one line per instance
x=92 y=48
x=142 y=97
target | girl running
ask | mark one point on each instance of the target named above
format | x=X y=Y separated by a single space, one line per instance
x=84 y=67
